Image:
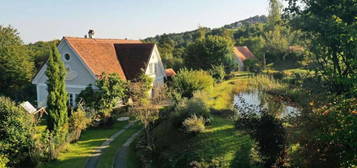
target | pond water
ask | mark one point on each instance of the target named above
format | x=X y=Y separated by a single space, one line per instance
x=260 y=100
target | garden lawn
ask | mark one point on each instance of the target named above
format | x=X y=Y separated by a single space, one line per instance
x=108 y=157
x=220 y=144
x=133 y=160
x=77 y=153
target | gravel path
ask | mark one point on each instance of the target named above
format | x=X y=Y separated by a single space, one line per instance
x=93 y=161
x=121 y=156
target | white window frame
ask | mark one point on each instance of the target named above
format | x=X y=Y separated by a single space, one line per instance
x=64 y=57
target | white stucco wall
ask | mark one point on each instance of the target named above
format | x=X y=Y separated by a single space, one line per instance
x=155 y=68
x=78 y=76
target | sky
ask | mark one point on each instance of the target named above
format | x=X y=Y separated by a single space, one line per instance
x=44 y=20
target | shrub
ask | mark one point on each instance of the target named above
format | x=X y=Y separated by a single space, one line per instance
x=186 y=82
x=78 y=122
x=16 y=130
x=252 y=65
x=111 y=91
x=267 y=130
x=194 y=124
x=139 y=89
x=189 y=107
x=3 y=161
x=218 y=72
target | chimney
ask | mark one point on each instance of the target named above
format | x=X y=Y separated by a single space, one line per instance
x=91 y=33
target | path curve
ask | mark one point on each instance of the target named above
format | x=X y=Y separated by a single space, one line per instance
x=122 y=153
x=93 y=161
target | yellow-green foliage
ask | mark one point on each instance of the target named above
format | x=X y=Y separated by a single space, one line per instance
x=194 y=124
x=221 y=96
x=186 y=82
x=78 y=122
x=263 y=82
x=3 y=161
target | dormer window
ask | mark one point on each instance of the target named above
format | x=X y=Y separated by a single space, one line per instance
x=67 y=57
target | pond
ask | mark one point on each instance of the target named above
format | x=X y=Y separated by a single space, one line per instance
x=260 y=100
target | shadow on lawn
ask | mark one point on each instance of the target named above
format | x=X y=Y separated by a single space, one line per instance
x=76 y=154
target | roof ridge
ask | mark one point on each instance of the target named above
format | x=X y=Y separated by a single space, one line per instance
x=99 y=38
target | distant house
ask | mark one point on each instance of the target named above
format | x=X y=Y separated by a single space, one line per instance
x=87 y=58
x=242 y=53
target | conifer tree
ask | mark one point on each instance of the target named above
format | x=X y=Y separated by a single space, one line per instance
x=57 y=96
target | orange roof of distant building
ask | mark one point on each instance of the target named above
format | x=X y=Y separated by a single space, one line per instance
x=102 y=55
x=296 y=48
x=170 y=72
x=243 y=52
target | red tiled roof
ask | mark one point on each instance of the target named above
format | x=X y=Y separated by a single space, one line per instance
x=133 y=58
x=243 y=53
x=99 y=54
x=170 y=72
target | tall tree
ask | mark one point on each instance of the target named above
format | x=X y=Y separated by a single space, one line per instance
x=39 y=52
x=213 y=50
x=332 y=26
x=275 y=36
x=57 y=120
x=16 y=67
x=275 y=8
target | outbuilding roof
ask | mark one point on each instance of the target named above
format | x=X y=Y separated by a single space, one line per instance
x=243 y=53
x=170 y=72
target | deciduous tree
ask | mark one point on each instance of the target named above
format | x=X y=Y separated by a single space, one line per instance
x=16 y=67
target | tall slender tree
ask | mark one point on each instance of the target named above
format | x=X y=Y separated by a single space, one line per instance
x=276 y=41
x=57 y=96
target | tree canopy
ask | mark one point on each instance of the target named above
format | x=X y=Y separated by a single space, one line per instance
x=332 y=27
x=16 y=67
x=213 y=50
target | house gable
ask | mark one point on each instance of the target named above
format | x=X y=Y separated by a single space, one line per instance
x=78 y=74
x=155 y=68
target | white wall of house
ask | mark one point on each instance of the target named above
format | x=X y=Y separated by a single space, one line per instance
x=77 y=79
x=155 y=68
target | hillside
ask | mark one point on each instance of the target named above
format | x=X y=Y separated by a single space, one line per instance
x=183 y=38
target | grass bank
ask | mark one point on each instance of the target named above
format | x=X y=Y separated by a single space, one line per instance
x=220 y=145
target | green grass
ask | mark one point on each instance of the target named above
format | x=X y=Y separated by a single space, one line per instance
x=133 y=158
x=220 y=144
x=77 y=153
x=107 y=158
x=221 y=95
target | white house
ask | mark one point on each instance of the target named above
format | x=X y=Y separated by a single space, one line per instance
x=87 y=58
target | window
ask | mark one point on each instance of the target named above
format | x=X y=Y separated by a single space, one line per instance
x=67 y=57
x=72 y=99
x=152 y=68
